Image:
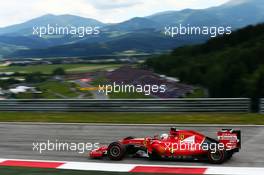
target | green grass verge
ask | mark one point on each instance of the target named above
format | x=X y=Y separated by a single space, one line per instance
x=47 y=69
x=99 y=81
x=54 y=90
x=198 y=93
x=90 y=68
x=127 y=95
x=50 y=88
x=37 y=171
x=131 y=118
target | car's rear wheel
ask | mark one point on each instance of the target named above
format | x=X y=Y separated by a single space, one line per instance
x=217 y=156
x=229 y=155
x=116 y=151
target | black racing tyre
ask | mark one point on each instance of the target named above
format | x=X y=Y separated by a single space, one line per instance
x=116 y=151
x=217 y=157
x=154 y=155
x=229 y=155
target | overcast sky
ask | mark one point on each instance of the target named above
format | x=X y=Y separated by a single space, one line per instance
x=17 y=11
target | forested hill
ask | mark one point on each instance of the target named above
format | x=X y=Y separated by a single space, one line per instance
x=229 y=66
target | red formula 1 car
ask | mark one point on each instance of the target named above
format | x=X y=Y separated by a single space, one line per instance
x=178 y=144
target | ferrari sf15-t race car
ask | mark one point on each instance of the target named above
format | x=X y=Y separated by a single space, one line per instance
x=178 y=144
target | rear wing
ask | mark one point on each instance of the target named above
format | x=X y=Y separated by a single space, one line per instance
x=230 y=138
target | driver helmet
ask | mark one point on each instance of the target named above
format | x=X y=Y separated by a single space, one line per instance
x=164 y=136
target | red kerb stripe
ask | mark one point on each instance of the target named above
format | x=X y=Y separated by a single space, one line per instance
x=31 y=164
x=168 y=170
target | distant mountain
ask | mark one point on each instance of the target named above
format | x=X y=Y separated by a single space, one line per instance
x=20 y=35
x=236 y=13
x=240 y=13
x=133 y=24
x=61 y=20
x=142 y=34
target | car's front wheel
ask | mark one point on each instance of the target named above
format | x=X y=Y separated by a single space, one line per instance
x=116 y=151
x=154 y=155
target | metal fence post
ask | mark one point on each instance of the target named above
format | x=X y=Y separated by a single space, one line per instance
x=261 y=106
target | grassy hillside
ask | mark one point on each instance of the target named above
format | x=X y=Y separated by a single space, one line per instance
x=146 y=41
x=6 y=49
x=229 y=66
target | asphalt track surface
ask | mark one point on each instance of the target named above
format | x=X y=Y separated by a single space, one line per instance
x=17 y=141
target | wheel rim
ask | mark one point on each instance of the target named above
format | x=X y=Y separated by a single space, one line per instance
x=115 y=151
x=216 y=156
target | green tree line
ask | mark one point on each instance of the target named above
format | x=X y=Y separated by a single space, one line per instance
x=229 y=66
